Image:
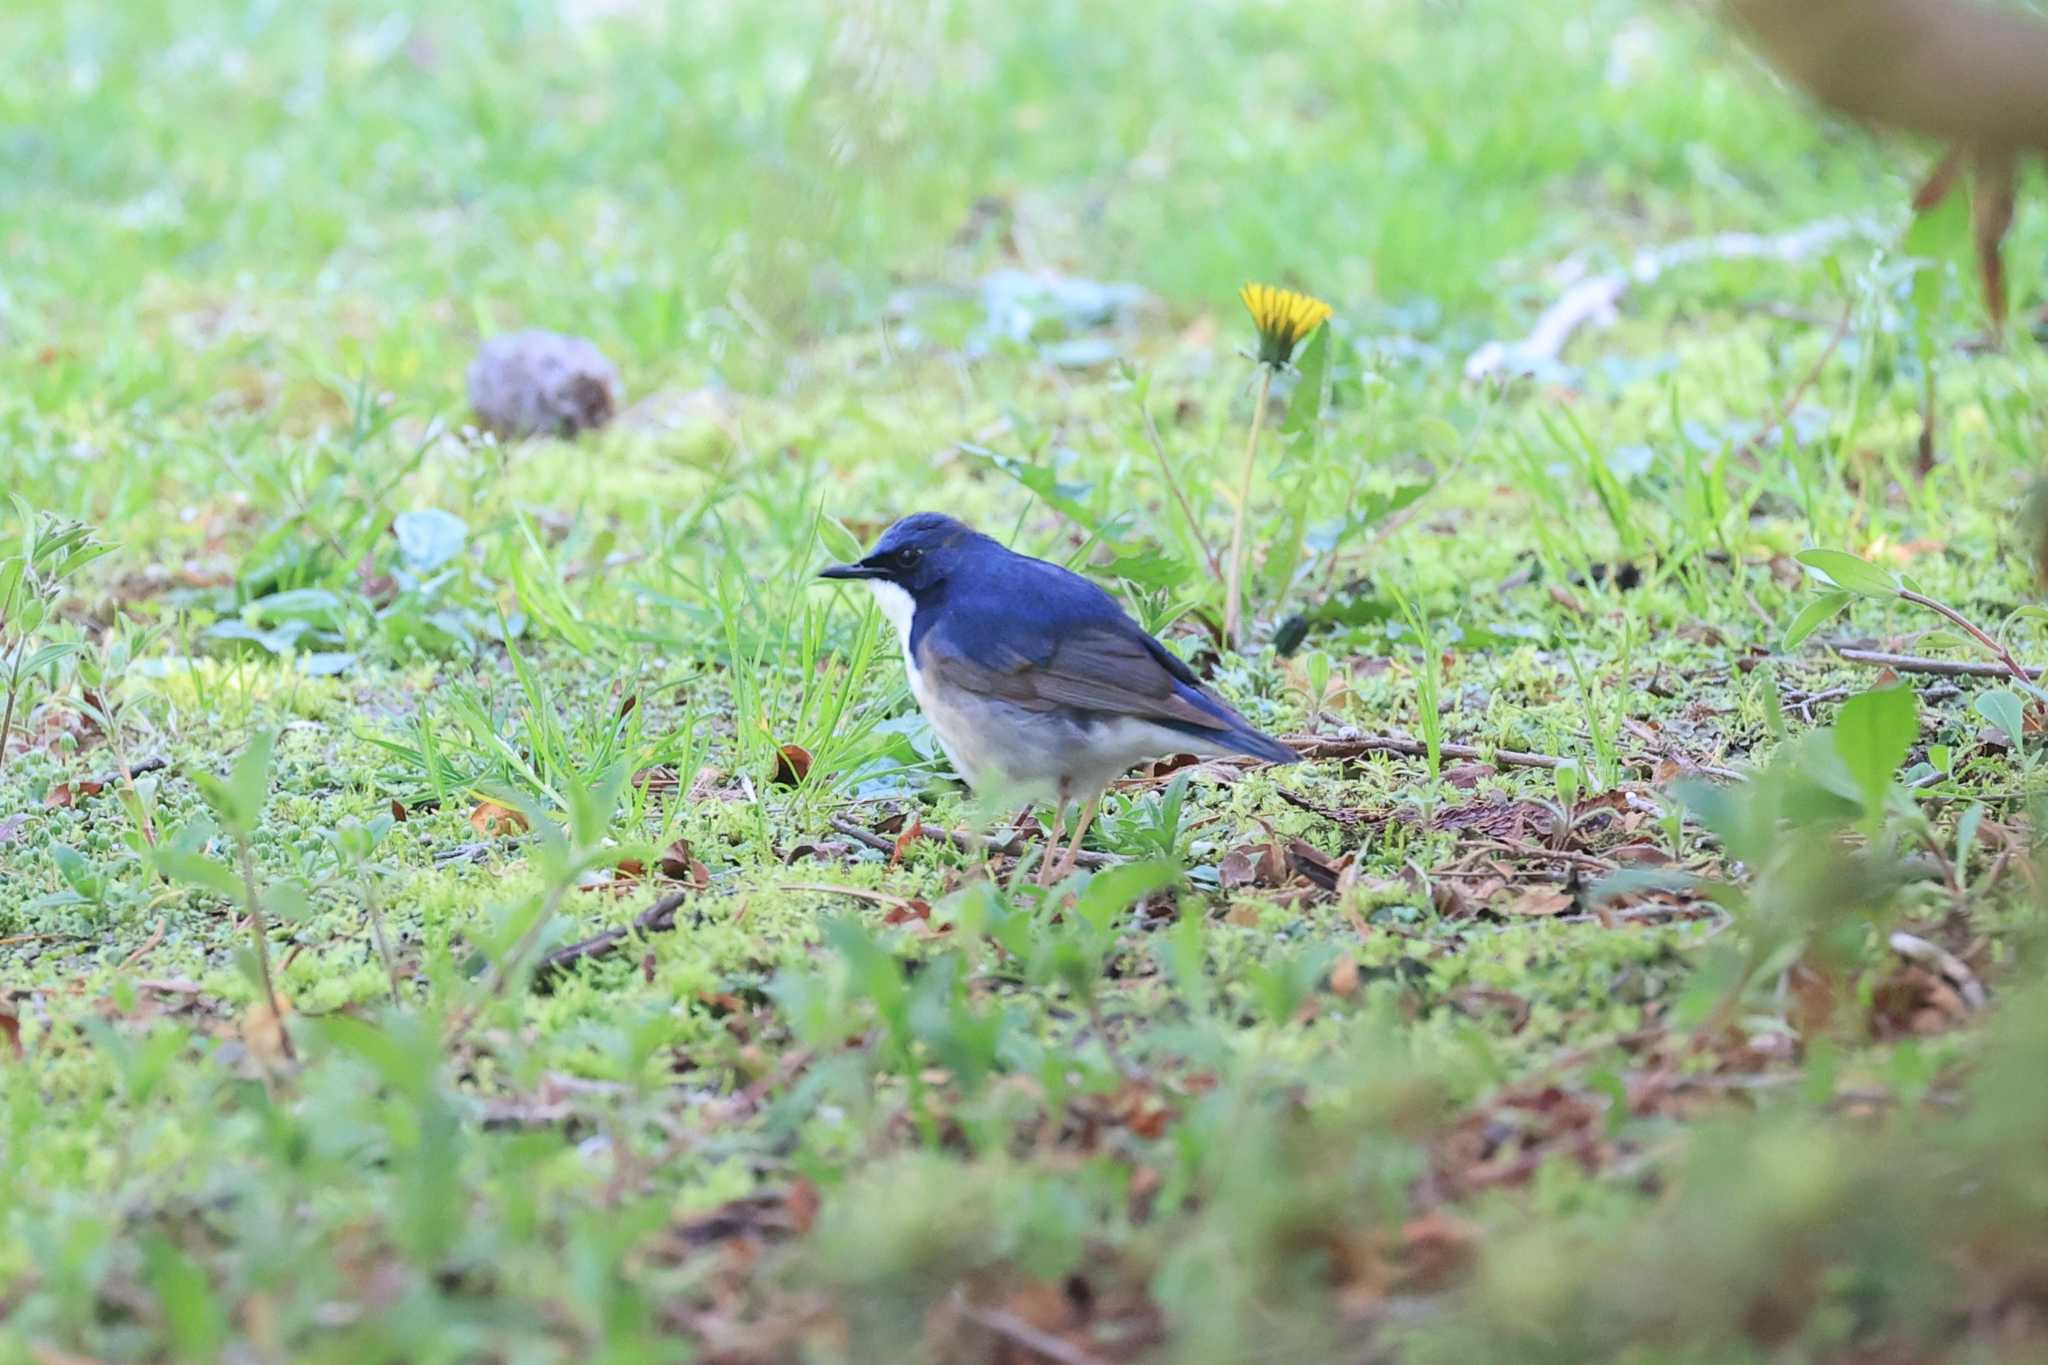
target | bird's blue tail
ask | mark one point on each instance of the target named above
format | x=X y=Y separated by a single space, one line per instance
x=1257 y=744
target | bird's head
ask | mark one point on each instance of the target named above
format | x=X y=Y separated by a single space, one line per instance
x=917 y=554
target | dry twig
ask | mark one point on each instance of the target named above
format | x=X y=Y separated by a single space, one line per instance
x=656 y=918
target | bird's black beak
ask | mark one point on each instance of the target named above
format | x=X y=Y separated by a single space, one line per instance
x=850 y=571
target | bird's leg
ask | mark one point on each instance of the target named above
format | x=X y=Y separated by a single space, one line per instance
x=1046 y=860
x=1073 y=853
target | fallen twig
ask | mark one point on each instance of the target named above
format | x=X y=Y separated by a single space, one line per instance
x=1329 y=746
x=859 y=893
x=1014 y=1329
x=966 y=841
x=1594 y=299
x=148 y=765
x=879 y=843
x=659 y=917
x=156 y=937
x=1974 y=631
x=1945 y=668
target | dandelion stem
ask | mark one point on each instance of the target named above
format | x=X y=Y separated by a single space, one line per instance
x=1232 y=609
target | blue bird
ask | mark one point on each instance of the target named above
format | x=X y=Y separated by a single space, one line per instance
x=1035 y=681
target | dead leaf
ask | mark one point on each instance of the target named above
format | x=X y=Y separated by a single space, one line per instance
x=67 y=794
x=660 y=778
x=792 y=765
x=907 y=911
x=1915 y=1002
x=802 y=1203
x=912 y=832
x=1540 y=900
x=1813 y=999
x=1140 y=1109
x=10 y=1029
x=1448 y=900
x=1468 y=775
x=1344 y=977
x=679 y=864
x=398 y=811
x=1436 y=1251
x=1253 y=865
x=1563 y=597
x=494 y=821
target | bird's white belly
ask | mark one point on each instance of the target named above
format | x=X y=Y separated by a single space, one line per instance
x=1007 y=752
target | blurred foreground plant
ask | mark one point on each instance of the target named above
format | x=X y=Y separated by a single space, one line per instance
x=35 y=560
x=1972 y=75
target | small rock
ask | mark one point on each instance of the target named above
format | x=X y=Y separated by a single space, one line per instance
x=537 y=383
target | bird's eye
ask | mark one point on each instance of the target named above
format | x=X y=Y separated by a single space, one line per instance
x=908 y=556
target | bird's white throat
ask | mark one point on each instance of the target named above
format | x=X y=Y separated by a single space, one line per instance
x=899 y=606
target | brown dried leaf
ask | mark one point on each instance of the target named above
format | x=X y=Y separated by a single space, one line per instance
x=10 y=1031
x=906 y=912
x=1435 y=1253
x=67 y=794
x=679 y=864
x=494 y=821
x=1260 y=865
x=1915 y=1002
x=1468 y=775
x=912 y=832
x=1245 y=915
x=660 y=778
x=1449 y=901
x=1344 y=977
x=1540 y=901
x=1140 y=1109
x=792 y=765
x=801 y=1203
x=1563 y=597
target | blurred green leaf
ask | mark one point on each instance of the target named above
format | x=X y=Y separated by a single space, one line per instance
x=248 y=784
x=1873 y=732
x=840 y=543
x=2003 y=709
x=1851 y=574
x=198 y=1324
x=1116 y=889
x=429 y=538
x=1813 y=615
x=185 y=866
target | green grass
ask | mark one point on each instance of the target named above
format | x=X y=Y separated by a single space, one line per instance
x=1478 y=1072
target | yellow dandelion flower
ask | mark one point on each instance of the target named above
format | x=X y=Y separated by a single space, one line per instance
x=1284 y=319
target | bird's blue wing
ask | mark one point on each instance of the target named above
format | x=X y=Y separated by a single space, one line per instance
x=1035 y=635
